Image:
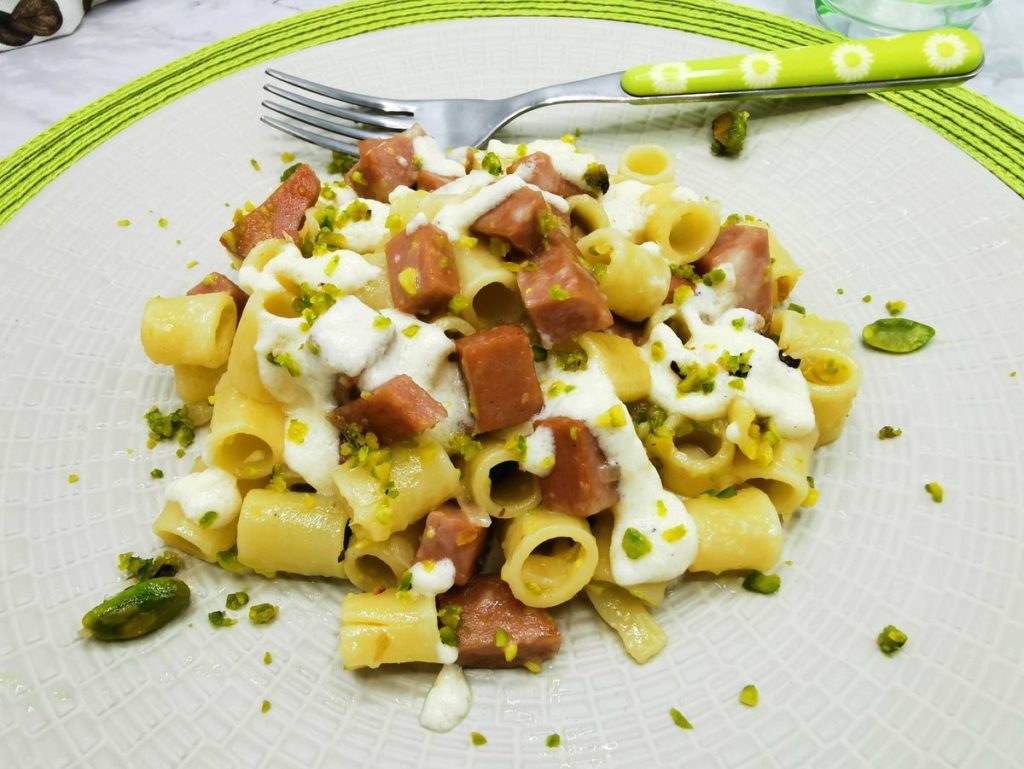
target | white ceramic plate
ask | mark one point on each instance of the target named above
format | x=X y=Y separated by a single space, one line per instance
x=866 y=199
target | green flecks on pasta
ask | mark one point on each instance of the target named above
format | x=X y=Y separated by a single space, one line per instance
x=635 y=544
x=749 y=696
x=679 y=719
x=297 y=431
x=936 y=491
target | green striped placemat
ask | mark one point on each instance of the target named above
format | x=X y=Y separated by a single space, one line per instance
x=987 y=132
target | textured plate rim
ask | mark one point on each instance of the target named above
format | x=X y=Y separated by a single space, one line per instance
x=987 y=132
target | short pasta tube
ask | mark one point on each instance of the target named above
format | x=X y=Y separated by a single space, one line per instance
x=586 y=214
x=684 y=230
x=647 y=163
x=549 y=557
x=246 y=436
x=192 y=330
x=695 y=462
x=601 y=525
x=373 y=566
x=183 y=533
x=293 y=532
x=738 y=532
x=785 y=477
x=621 y=362
x=627 y=615
x=496 y=483
x=421 y=478
x=376 y=293
x=489 y=288
x=833 y=379
x=797 y=332
x=390 y=627
x=243 y=368
x=195 y=384
x=634 y=280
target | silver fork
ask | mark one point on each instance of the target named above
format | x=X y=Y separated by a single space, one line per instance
x=917 y=60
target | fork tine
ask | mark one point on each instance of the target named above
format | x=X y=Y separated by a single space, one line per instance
x=362 y=100
x=367 y=118
x=348 y=131
x=308 y=136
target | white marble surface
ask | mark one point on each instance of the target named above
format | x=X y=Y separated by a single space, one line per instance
x=123 y=39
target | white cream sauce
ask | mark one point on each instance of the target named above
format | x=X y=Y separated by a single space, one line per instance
x=448 y=700
x=210 y=490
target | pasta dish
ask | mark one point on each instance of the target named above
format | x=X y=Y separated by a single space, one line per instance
x=477 y=384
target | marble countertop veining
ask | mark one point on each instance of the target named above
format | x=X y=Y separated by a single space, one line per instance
x=124 y=39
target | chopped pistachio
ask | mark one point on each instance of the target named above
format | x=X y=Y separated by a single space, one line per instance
x=491 y=163
x=674 y=534
x=574 y=360
x=228 y=560
x=935 y=490
x=220 y=619
x=554 y=740
x=477 y=739
x=511 y=650
x=558 y=293
x=381 y=322
x=657 y=351
x=409 y=280
x=679 y=719
x=840 y=291
x=135 y=567
x=175 y=424
x=411 y=331
x=285 y=361
x=448 y=636
x=533 y=667
x=123 y=222
x=614 y=417
x=888 y=432
x=267 y=658
x=297 y=431
x=254 y=163
x=262 y=613
x=73 y=478
x=797 y=308
x=714 y=277
x=162 y=222
x=749 y=696
x=265 y=707
x=500 y=638
x=405 y=582
x=464 y=445
x=341 y=163
x=237 y=600
x=207 y=519
x=891 y=639
x=458 y=304
x=635 y=544
x=765 y=584
x=895 y=308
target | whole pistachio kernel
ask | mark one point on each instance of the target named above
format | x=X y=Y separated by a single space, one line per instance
x=138 y=610
x=897 y=335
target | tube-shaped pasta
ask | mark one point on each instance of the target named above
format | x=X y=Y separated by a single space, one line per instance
x=376 y=293
x=647 y=163
x=634 y=280
x=454 y=327
x=601 y=525
x=695 y=462
x=488 y=286
x=422 y=476
x=626 y=614
x=389 y=628
x=621 y=362
x=373 y=566
x=741 y=532
x=243 y=367
x=293 y=532
x=785 y=272
x=497 y=485
x=586 y=214
x=246 y=436
x=192 y=330
x=549 y=557
x=833 y=379
x=195 y=384
x=182 y=533
x=685 y=230
x=784 y=477
x=797 y=332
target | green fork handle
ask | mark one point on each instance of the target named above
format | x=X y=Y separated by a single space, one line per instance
x=940 y=53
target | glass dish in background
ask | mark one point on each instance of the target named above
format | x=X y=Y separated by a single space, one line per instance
x=866 y=18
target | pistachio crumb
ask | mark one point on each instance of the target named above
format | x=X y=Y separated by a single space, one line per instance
x=749 y=696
